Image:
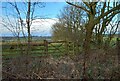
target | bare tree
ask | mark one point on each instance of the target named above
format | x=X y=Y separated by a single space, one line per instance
x=70 y=26
x=25 y=15
x=94 y=19
x=111 y=34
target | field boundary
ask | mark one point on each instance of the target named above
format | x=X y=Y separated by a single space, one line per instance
x=45 y=47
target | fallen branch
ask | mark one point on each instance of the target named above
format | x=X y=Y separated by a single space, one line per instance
x=37 y=75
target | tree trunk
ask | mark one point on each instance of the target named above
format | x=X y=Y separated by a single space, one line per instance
x=29 y=38
x=87 y=48
x=118 y=48
x=99 y=40
x=28 y=26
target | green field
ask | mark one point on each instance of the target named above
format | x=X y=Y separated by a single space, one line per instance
x=100 y=64
x=11 y=50
x=54 y=49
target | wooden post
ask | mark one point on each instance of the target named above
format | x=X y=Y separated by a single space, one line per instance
x=46 y=46
x=66 y=47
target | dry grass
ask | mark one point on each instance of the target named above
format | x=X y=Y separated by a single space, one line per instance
x=100 y=65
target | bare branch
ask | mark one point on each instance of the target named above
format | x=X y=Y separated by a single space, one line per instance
x=78 y=7
x=108 y=12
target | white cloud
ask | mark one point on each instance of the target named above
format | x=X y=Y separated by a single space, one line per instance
x=39 y=27
x=42 y=26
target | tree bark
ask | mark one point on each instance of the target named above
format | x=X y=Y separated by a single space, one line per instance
x=29 y=38
x=87 y=48
x=28 y=26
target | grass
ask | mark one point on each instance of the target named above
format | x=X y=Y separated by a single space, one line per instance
x=100 y=64
x=55 y=50
x=40 y=49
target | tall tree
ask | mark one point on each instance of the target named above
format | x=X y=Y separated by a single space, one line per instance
x=25 y=13
x=94 y=19
x=70 y=24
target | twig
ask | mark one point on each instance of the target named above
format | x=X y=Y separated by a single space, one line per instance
x=37 y=75
x=15 y=76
